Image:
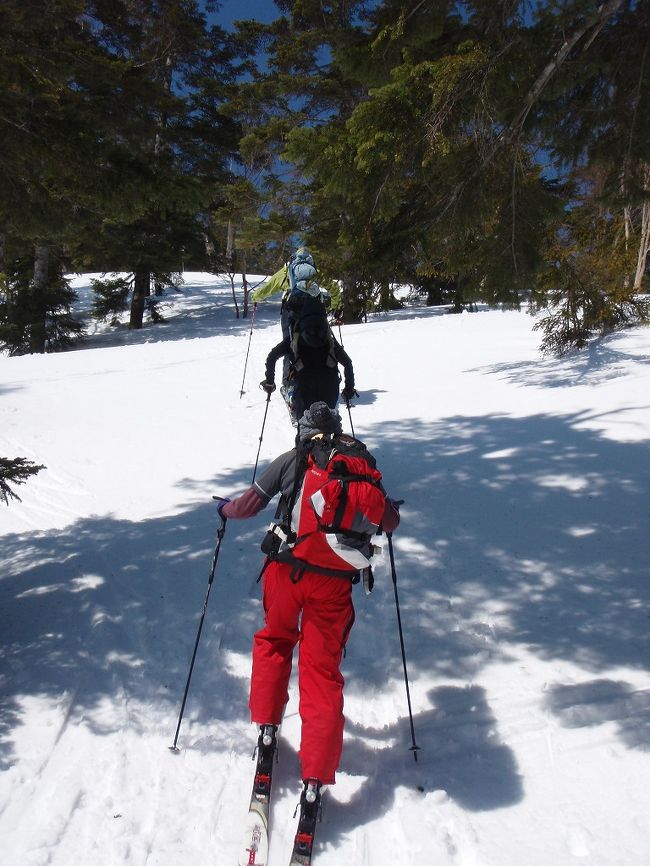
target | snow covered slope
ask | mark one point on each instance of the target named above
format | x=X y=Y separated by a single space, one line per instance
x=522 y=565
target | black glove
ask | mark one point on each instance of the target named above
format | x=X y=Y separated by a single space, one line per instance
x=348 y=393
x=269 y=387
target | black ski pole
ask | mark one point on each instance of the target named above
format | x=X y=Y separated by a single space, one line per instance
x=259 y=447
x=413 y=747
x=220 y=534
x=347 y=403
x=250 y=335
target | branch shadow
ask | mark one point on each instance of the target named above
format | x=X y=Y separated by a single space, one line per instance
x=516 y=532
x=601 y=700
x=600 y=361
x=199 y=310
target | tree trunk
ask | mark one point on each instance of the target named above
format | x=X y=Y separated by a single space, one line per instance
x=230 y=246
x=434 y=294
x=387 y=299
x=644 y=247
x=5 y=290
x=37 y=331
x=231 y=276
x=141 y=291
x=353 y=301
x=459 y=296
x=244 y=284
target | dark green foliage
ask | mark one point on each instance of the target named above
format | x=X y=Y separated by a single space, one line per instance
x=15 y=471
x=114 y=146
x=578 y=316
x=581 y=283
x=440 y=145
x=111 y=297
x=37 y=318
x=431 y=139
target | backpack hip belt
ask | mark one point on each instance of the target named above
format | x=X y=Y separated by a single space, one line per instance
x=300 y=566
x=276 y=535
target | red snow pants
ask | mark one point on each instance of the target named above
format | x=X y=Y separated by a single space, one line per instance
x=317 y=613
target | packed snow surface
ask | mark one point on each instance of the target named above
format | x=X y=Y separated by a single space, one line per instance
x=522 y=575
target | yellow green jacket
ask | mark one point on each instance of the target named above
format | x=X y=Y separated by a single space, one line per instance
x=279 y=282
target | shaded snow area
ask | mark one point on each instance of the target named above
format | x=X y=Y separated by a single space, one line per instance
x=522 y=570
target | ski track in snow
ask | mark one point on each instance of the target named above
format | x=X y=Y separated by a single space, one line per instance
x=522 y=577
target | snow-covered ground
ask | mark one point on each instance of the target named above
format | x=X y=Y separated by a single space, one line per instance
x=522 y=564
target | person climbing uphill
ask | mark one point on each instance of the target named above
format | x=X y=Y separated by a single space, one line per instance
x=313 y=354
x=307 y=580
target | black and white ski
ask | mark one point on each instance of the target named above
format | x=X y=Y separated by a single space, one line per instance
x=287 y=394
x=310 y=806
x=255 y=846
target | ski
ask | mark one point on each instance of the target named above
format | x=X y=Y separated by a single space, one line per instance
x=287 y=393
x=310 y=806
x=255 y=847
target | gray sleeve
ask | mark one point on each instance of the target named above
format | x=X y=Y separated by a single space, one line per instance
x=277 y=477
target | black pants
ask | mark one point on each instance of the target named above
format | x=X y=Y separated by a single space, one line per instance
x=314 y=386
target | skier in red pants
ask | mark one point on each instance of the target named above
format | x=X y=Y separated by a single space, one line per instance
x=305 y=604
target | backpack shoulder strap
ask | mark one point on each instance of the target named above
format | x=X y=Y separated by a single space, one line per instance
x=302 y=460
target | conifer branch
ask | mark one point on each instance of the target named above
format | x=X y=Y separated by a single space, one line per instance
x=514 y=128
x=16 y=471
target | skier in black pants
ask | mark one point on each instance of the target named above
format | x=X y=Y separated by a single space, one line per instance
x=312 y=376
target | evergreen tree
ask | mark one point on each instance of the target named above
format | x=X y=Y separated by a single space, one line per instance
x=302 y=87
x=15 y=471
x=113 y=140
x=48 y=152
x=434 y=166
x=178 y=141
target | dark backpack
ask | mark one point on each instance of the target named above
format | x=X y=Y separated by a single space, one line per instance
x=309 y=327
x=337 y=509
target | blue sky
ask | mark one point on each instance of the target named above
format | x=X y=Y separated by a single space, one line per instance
x=262 y=10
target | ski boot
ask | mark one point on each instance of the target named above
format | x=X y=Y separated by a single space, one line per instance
x=310 y=807
x=266 y=747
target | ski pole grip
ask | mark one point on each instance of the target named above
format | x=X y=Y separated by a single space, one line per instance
x=222 y=499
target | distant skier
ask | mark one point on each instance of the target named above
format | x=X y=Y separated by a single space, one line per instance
x=307 y=587
x=297 y=281
x=313 y=354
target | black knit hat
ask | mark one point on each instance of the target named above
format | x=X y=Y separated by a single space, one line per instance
x=319 y=418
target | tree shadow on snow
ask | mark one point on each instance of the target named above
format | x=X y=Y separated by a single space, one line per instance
x=460 y=754
x=110 y=607
x=366 y=398
x=198 y=311
x=598 y=362
x=598 y=701
x=516 y=532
